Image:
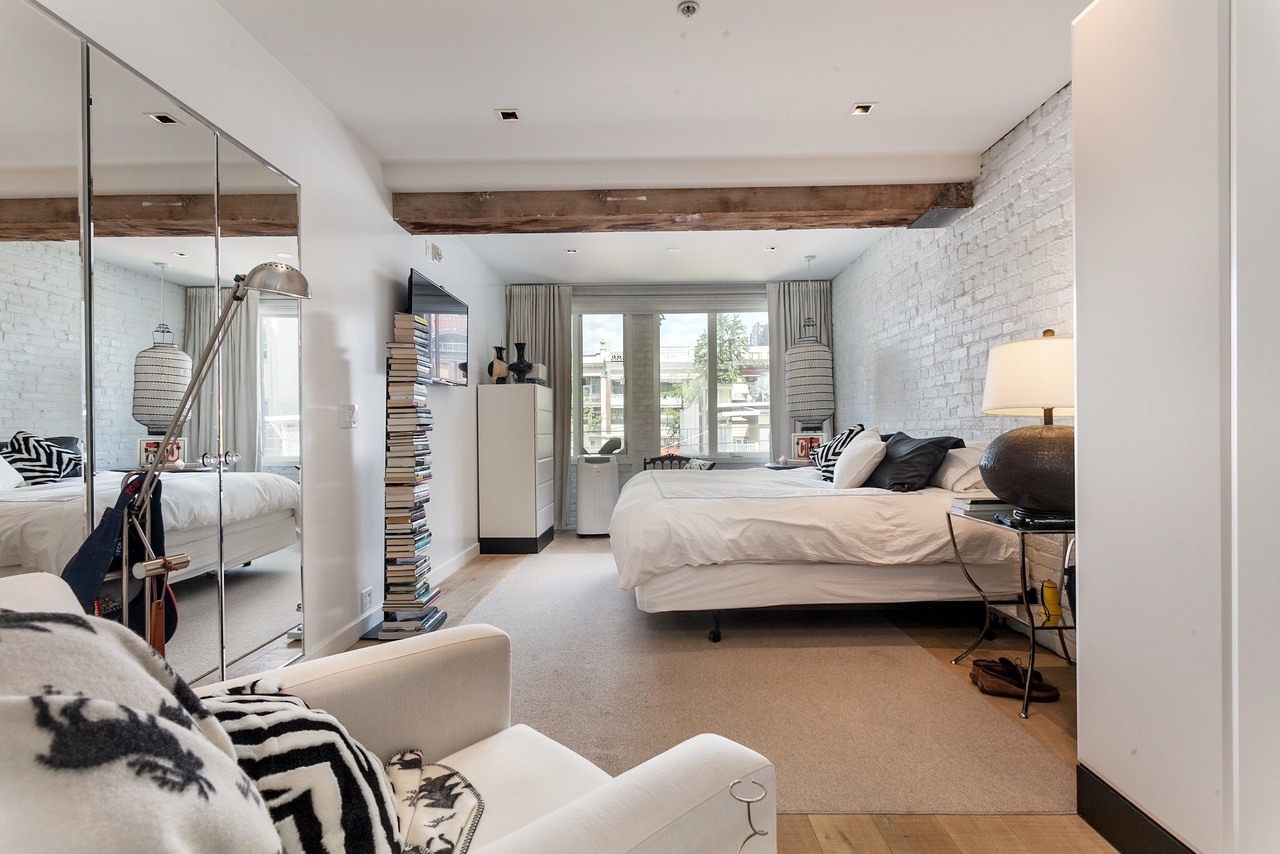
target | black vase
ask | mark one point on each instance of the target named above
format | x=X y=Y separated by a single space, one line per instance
x=498 y=367
x=521 y=367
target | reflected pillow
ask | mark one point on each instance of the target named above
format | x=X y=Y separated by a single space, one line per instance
x=10 y=478
x=909 y=463
x=74 y=444
x=39 y=460
x=959 y=469
x=858 y=460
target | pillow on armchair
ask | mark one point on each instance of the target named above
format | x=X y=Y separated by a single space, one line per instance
x=909 y=463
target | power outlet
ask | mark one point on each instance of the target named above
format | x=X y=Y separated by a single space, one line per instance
x=366 y=599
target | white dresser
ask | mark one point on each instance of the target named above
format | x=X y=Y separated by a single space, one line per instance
x=516 y=448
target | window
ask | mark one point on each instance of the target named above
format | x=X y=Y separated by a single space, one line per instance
x=725 y=411
x=600 y=407
x=278 y=374
x=692 y=375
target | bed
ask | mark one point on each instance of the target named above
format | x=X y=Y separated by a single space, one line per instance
x=750 y=538
x=42 y=526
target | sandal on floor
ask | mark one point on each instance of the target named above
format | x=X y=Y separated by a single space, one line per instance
x=1000 y=685
x=1007 y=669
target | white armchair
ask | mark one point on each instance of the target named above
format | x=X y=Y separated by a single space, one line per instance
x=448 y=694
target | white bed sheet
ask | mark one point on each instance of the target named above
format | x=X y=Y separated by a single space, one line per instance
x=667 y=520
x=42 y=526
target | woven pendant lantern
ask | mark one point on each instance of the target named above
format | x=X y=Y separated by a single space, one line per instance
x=160 y=376
x=810 y=383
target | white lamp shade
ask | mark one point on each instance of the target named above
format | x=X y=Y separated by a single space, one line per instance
x=1028 y=377
x=811 y=394
x=160 y=375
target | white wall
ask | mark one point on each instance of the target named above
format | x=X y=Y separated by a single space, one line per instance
x=357 y=260
x=1154 y=419
x=916 y=313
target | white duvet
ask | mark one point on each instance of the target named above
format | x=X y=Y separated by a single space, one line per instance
x=42 y=526
x=665 y=520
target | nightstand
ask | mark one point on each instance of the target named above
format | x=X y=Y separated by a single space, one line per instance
x=1024 y=611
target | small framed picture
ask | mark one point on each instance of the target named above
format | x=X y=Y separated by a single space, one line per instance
x=802 y=444
x=149 y=448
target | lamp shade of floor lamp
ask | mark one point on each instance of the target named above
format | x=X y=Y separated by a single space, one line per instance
x=1032 y=468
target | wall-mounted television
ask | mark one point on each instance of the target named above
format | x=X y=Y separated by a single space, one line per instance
x=446 y=317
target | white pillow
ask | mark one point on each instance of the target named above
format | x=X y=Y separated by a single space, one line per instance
x=959 y=469
x=858 y=460
x=10 y=478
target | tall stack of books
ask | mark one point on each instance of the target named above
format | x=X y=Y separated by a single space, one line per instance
x=408 y=601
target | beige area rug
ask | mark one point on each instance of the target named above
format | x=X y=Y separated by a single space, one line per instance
x=262 y=601
x=854 y=715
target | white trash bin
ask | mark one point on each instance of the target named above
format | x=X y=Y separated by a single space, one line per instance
x=597 y=493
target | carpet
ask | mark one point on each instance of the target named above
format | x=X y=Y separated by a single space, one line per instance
x=855 y=716
x=262 y=601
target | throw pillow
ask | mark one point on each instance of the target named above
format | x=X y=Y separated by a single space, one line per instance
x=10 y=478
x=104 y=748
x=325 y=791
x=959 y=470
x=39 y=460
x=437 y=808
x=825 y=455
x=70 y=443
x=857 y=461
x=909 y=463
x=699 y=464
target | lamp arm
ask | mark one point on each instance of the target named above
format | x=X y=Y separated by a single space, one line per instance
x=198 y=375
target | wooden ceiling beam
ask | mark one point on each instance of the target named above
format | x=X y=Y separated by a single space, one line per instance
x=151 y=215
x=723 y=209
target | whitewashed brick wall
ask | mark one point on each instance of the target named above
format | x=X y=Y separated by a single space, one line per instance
x=916 y=313
x=41 y=359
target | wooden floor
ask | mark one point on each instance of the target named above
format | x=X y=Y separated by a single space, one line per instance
x=943 y=632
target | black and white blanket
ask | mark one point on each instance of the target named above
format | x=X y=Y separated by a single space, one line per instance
x=104 y=747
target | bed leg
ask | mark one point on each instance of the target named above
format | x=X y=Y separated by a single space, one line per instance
x=714 y=634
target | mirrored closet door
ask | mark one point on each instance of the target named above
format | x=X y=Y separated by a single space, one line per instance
x=97 y=351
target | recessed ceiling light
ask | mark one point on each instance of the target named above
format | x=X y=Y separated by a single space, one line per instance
x=863 y=108
x=179 y=255
x=571 y=251
x=508 y=115
x=771 y=249
x=162 y=118
x=673 y=248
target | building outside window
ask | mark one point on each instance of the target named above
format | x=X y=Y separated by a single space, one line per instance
x=600 y=407
x=714 y=384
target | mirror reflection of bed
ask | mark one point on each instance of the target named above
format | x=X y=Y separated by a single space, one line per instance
x=154 y=185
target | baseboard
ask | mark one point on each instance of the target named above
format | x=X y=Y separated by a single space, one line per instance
x=517 y=545
x=442 y=571
x=1118 y=820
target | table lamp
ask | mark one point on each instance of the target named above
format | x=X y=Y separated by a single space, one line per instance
x=1032 y=468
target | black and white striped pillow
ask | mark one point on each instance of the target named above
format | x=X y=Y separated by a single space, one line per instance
x=39 y=460
x=303 y=762
x=825 y=455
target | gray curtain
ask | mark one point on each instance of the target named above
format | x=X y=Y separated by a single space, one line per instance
x=541 y=317
x=240 y=381
x=789 y=304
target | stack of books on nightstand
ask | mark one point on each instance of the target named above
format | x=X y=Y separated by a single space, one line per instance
x=408 y=595
x=980 y=507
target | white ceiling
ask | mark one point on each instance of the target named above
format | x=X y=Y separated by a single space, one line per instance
x=631 y=94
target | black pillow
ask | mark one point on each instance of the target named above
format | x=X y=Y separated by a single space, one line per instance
x=909 y=463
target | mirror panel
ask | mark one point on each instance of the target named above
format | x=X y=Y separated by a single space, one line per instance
x=261 y=421
x=42 y=331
